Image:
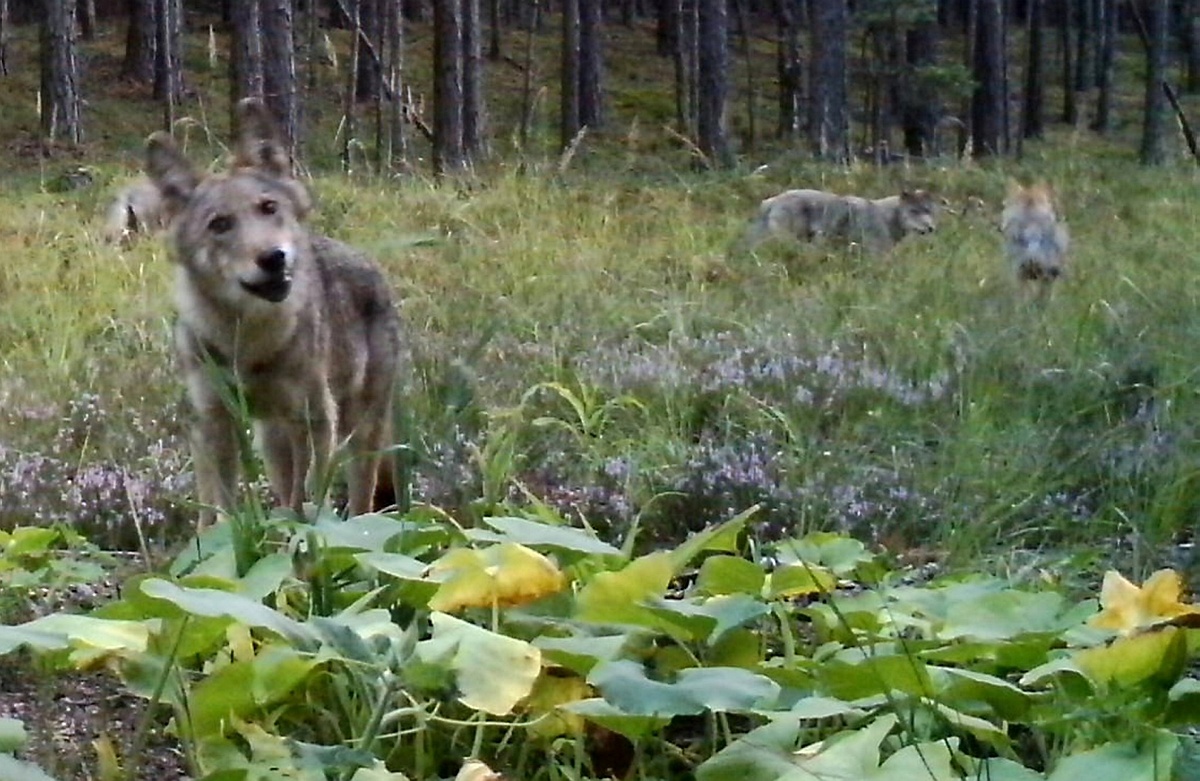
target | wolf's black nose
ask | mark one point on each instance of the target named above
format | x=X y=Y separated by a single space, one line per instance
x=273 y=261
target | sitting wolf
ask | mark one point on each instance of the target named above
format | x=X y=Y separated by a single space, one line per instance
x=876 y=225
x=1035 y=241
x=814 y=214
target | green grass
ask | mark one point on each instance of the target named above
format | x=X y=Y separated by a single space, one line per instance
x=917 y=399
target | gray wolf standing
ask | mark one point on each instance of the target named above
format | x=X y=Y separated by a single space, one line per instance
x=296 y=328
x=138 y=208
x=1034 y=240
x=809 y=215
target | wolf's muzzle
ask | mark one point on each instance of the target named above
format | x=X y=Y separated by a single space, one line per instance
x=277 y=282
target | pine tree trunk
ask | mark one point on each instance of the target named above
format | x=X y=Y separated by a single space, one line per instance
x=4 y=22
x=1189 y=38
x=713 y=83
x=591 y=64
x=280 y=88
x=448 y=153
x=87 y=19
x=141 y=41
x=246 y=52
x=168 y=59
x=790 y=72
x=494 y=52
x=829 y=119
x=367 y=81
x=569 y=105
x=474 y=111
x=1102 y=122
x=61 y=102
x=1070 y=112
x=987 y=102
x=1154 y=123
x=1031 y=115
x=683 y=74
x=393 y=37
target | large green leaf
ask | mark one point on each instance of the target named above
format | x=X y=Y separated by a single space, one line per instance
x=836 y=552
x=580 y=654
x=12 y=769
x=87 y=635
x=607 y=715
x=1160 y=655
x=535 y=534
x=241 y=689
x=730 y=575
x=493 y=672
x=12 y=735
x=213 y=602
x=722 y=538
x=849 y=679
x=369 y=532
x=708 y=619
x=721 y=689
x=617 y=597
x=954 y=685
x=1147 y=760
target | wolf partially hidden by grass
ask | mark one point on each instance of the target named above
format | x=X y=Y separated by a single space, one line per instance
x=138 y=209
x=1035 y=240
x=809 y=215
x=295 y=329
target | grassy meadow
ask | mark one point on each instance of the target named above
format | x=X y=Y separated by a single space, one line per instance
x=581 y=339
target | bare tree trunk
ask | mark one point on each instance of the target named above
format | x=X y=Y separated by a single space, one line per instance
x=1085 y=68
x=474 y=109
x=494 y=31
x=367 y=76
x=987 y=102
x=141 y=41
x=569 y=106
x=683 y=73
x=246 y=52
x=60 y=99
x=713 y=83
x=168 y=60
x=829 y=119
x=1108 y=44
x=4 y=22
x=393 y=36
x=1070 y=109
x=591 y=64
x=449 y=155
x=747 y=52
x=790 y=72
x=87 y=19
x=1154 y=123
x=280 y=91
x=1031 y=115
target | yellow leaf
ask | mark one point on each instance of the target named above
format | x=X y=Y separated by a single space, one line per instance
x=1126 y=608
x=506 y=574
x=552 y=690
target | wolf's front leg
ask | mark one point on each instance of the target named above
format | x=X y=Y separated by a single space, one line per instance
x=313 y=448
x=216 y=461
x=279 y=458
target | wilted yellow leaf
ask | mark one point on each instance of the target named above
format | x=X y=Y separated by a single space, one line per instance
x=1126 y=608
x=552 y=690
x=506 y=574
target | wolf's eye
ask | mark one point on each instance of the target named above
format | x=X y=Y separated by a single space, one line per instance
x=268 y=206
x=221 y=223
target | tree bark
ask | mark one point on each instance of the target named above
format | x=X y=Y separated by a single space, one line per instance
x=713 y=83
x=474 y=110
x=448 y=153
x=1102 y=122
x=141 y=41
x=61 y=116
x=789 y=70
x=829 y=119
x=591 y=64
x=987 y=101
x=245 y=53
x=569 y=92
x=1154 y=121
x=367 y=76
x=280 y=91
x=1189 y=38
x=168 y=59
x=1031 y=114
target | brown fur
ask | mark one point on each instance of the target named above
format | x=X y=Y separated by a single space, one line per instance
x=1035 y=240
x=810 y=215
x=138 y=209
x=297 y=329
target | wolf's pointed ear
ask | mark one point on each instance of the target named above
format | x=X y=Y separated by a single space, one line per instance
x=258 y=142
x=169 y=170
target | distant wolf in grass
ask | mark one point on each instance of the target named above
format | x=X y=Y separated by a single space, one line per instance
x=296 y=329
x=1035 y=240
x=139 y=208
x=810 y=215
